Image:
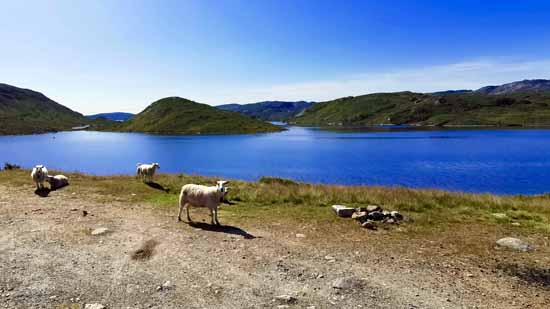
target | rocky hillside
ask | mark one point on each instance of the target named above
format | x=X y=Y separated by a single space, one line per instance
x=269 y=110
x=24 y=111
x=176 y=115
x=524 y=86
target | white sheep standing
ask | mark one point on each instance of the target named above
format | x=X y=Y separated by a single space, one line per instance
x=147 y=171
x=203 y=196
x=58 y=181
x=39 y=174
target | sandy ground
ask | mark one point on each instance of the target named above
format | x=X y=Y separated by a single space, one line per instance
x=49 y=259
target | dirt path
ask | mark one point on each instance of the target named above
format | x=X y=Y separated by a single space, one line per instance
x=48 y=258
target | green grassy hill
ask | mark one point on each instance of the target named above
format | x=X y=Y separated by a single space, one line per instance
x=24 y=111
x=176 y=115
x=516 y=109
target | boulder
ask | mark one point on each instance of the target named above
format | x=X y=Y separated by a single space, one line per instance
x=376 y=216
x=396 y=215
x=514 y=244
x=371 y=208
x=360 y=216
x=343 y=211
x=369 y=224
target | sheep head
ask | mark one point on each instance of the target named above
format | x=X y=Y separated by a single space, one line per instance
x=156 y=165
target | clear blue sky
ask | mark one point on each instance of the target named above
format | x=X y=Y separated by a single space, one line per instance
x=101 y=56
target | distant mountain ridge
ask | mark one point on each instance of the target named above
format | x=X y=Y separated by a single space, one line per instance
x=269 y=110
x=527 y=85
x=116 y=116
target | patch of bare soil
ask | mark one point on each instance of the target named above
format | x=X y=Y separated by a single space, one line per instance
x=49 y=258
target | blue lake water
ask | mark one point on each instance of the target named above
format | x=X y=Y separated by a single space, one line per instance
x=497 y=161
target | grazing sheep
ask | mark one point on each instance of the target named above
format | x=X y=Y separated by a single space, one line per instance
x=147 y=171
x=203 y=196
x=57 y=181
x=39 y=174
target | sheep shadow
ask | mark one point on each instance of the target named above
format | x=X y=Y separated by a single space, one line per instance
x=157 y=186
x=43 y=192
x=59 y=187
x=228 y=229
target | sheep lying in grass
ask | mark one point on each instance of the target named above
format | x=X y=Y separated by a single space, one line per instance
x=203 y=196
x=147 y=171
x=57 y=181
x=39 y=174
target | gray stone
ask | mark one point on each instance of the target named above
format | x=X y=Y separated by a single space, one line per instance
x=343 y=211
x=371 y=208
x=286 y=298
x=100 y=231
x=375 y=215
x=300 y=236
x=396 y=215
x=360 y=216
x=514 y=244
x=94 y=306
x=500 y=215
x=369 y=224
x=346 y=283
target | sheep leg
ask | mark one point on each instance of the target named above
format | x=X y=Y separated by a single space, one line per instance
x=179 y=213
x=212 y=216
x=187 y=208
x=216 y=213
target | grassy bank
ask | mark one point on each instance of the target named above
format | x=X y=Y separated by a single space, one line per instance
x=273 y=200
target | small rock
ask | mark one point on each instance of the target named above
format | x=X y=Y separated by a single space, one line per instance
x=100 y=231
x=369 y=224
x=514 y=244
x=396 y=215
x=343 y=211
x=371 y=208
x=167 y=285
x=346 y=283
x=283 y=306
x=300 y=236
x=286 y=298
x=320 y=276
x=516 y=224
x=74 y=209
x=84 y=213
x=500 y=215
x=53 y=297
x=94 y=306
x=376 y=215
